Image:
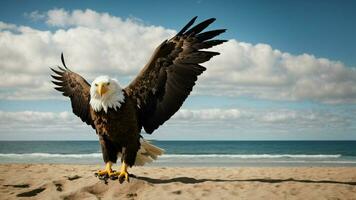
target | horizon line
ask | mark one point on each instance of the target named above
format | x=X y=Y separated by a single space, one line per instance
x=276 y=140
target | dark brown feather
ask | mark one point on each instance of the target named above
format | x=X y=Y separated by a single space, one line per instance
x=62 y=59
x=208 y=44
x=168 y=78
x=190 y=23
x=76 y=88
x=200 y=27
x=56 y=77
x=209 y=34
x=57 y=72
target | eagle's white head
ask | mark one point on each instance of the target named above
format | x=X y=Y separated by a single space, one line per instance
x=106 y=93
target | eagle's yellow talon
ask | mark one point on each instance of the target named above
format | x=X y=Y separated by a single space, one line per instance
x=114 y=174
x=123 y=172
x=103 y=172
x=124 y=175
x=107 y=171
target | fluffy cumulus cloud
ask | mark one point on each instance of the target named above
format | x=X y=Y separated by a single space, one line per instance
x=98 y=43
x=264 y=72
x=93 y=44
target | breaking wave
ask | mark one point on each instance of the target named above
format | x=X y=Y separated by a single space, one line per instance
x=248 y=156
x=49 y=155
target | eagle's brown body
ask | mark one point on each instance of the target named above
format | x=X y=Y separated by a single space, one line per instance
x=118 y=131
x=151 y=98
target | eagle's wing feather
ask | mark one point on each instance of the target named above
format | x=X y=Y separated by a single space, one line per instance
x=168 y=78
x=77 y=89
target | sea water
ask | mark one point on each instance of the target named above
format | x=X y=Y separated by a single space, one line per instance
x=192 y=153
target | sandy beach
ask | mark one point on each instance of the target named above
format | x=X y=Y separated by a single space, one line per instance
x=57 y=181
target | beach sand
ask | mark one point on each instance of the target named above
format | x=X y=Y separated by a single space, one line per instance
x=57 y=181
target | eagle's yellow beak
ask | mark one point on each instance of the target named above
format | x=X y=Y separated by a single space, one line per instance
x=102 y=88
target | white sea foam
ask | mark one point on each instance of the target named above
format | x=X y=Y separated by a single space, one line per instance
x=191 y=159
x=252 y=156
x=49 y=155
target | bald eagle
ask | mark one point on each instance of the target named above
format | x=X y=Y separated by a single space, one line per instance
x=118 y=114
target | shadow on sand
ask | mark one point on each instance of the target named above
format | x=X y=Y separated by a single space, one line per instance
x=189 y=180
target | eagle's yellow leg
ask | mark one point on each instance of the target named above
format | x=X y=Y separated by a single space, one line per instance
x=123 y=174
x=107 y=170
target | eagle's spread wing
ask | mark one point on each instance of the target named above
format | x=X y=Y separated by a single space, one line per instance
x=76 y=88
x=167 y=79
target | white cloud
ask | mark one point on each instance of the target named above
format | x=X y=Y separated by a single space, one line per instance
x=98 y=43
x=186 y=120
x=264 y=117
x=5 y=26
x=35 y=15
x=32 y=120
x=208 y=114
x=101 y=45
x=261 y=71
x=242 y=123
x=33 y=125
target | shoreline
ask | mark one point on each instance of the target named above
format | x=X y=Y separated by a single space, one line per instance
x=63 y=181
x=193 y=153
x=204 y=165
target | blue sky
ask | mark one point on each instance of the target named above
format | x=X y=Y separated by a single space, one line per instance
x=322 y=28
x=287 y=72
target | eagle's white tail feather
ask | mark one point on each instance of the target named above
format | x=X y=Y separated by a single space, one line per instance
x=147 y=153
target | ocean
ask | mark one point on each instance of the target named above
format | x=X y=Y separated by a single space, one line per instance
x=192 y=153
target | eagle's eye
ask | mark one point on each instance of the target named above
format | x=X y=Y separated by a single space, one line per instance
x=96 y=84
x=108 y=83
